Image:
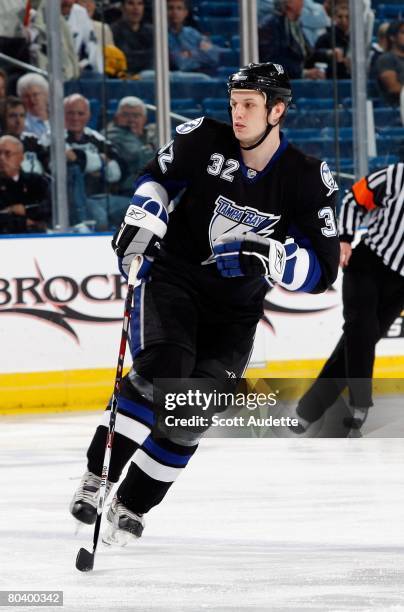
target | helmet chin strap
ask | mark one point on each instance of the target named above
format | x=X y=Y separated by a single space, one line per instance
x=268 y=130
x=261 y=140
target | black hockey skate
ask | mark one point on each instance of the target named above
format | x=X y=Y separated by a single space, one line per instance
x=358 y=419
x=84 y=503
x=124 y=525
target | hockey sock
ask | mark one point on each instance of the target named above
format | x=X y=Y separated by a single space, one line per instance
x=155 y=466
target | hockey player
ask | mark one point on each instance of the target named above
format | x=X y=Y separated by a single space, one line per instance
x=372 y=293
x=253 y=211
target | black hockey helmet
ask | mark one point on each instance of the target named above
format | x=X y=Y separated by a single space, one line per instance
x=267 y=77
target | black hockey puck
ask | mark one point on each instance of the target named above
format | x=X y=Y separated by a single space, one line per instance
x=85 y=560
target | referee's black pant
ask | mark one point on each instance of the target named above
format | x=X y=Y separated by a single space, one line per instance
x=373 y=296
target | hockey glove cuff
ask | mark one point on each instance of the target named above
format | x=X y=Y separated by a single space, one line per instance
x=295 y=268
x=144 y=225
x=249 y=255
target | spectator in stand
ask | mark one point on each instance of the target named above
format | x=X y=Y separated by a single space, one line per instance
x=24 y=197
x=314 y=18
x=381 y=45
x=281 y=40
x=33 y=89
x=85 y=42
x=190 y=51
x=36 y=155
x=39 y=49
x=389 y=67
x=93 y=163
x=324 y=45
x=134 y=143
x=134 y=37
x=102 y=31
x=265 y=9
x=111 y=11
x=14 y=34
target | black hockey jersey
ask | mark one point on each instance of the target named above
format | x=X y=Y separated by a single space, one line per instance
x=294 y=196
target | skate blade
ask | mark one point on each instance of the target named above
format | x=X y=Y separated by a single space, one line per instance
x=78 y=527
x=116 y=537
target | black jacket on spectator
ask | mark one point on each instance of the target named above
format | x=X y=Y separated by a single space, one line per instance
x=31 y=190
x=278 y=44
x=137 y=46
x=324 y=48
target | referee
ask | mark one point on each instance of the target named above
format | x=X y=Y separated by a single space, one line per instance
x=372 y=293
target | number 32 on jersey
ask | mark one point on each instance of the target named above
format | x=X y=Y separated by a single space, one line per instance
x=216 y=167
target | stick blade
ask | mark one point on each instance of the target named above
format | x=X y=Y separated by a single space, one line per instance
x=85 y=560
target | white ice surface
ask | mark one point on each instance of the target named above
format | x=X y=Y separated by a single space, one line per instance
x=260 y=524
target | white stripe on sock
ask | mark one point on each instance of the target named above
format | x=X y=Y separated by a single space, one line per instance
x=154 y=469
x=128 y=427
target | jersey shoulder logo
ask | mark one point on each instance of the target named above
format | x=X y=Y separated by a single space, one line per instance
x=328 y=179
x=189 y=126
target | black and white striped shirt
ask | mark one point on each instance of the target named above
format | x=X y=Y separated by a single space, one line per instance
x=380 y=195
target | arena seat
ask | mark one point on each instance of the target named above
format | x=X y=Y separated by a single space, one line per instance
x=225 y=71
x=305 y=88
x=181 y=103
x=343 y=132
x=215 y=103
x=219 y=115
x=300 y=134
x=309 y=103
x=226 y=26
x=387 y=117
x=218 y=40
x=218 y=9
x=235 y=42
x=392 y=132
x=229 y=57
x=387 y=12
x=297 y=118
x=95 y=108
x=389 y=145
x=382 y=160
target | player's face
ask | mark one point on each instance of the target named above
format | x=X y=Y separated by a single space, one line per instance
x=15 y=120
x=249 y=115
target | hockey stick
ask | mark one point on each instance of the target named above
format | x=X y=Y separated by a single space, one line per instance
x=85 y=559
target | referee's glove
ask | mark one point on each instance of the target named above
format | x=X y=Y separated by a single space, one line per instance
x=249 y=255
x=144 y=225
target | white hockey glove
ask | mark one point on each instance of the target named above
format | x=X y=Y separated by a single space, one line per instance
x=144 y=225
x=249 y=255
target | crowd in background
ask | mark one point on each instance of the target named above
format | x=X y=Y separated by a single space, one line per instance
x=115 y=38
